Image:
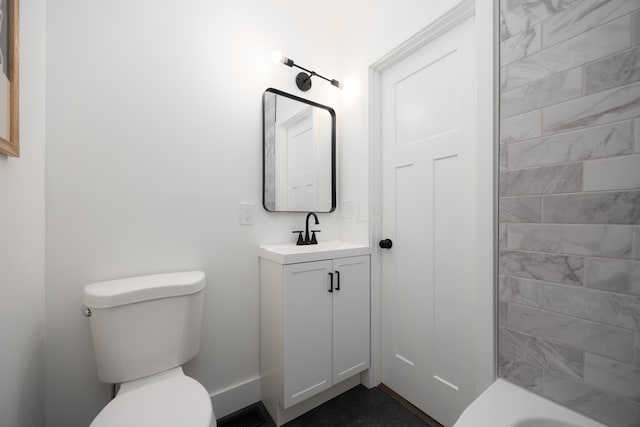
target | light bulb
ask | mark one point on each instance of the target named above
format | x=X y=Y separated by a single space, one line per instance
x=276 y=56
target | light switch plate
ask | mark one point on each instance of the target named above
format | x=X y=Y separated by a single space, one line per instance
x=347 y=209
x=247 y=213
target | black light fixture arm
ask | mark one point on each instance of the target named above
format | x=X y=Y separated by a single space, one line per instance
x=304 y=80
x=311 y=73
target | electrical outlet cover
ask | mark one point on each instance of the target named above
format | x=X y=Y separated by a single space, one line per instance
x=247 y=213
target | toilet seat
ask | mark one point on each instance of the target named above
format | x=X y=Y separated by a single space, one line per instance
x=167 y=399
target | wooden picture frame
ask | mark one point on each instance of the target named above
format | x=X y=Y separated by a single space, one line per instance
x=9 y=78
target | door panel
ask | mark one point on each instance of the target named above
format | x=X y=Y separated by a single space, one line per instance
x=428 y=210
x=351 y=304
x=302 y=163
x=446 y=285
x=307 y=340
x=411 y=109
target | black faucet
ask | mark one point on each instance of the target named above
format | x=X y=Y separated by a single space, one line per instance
x=307 y=240
x=313 y=240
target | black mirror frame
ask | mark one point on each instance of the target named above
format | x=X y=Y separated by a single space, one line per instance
x=333 y=146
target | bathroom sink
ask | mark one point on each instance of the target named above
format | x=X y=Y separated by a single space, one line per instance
x=290 y=253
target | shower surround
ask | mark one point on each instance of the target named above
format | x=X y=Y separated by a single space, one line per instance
x=569 y=273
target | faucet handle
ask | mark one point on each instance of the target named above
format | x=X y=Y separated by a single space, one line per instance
x=300 y=239
x=313 y=237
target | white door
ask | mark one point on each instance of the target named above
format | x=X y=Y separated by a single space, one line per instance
x=301 y=169
x=428 y=211
x=351 y=318
x=307 y=331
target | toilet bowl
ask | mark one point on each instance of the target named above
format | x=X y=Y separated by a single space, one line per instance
x=144 y=329
x=506 y=405
x=168 y=399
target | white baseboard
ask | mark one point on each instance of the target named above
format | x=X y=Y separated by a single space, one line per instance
x=235 y=397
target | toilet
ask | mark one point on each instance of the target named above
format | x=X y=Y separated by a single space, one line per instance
x=506 y=405
x=144 y=329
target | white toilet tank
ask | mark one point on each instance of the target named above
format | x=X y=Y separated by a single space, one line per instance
x=145 y=325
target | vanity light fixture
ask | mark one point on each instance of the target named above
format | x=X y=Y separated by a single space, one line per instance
x=303 y=79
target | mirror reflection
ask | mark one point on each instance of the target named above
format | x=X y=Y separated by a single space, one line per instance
x=298 y=154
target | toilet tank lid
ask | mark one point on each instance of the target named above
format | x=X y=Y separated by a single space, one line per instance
x=118 y=292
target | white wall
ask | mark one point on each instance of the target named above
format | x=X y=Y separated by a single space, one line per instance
x=22 y=239
x=153 y=140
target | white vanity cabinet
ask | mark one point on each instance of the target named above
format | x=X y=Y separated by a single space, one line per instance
x=314 y=331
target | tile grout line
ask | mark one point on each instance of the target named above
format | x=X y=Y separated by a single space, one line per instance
x=591 y=386
x=568 y=132
x=567 y=101
x=551 y=164
x=583 y=72
x=594 y=290
x=582 y=175
x=566 y=12
x=573 y=162
x=530 y=335
x=577 y=193
x=600 y=24
x=561 y=193
x=520 y=34
x=540 y=107
x=635 y=134
x=572 y=193
x=535 y=361
x=569 y=255
x=583 y=64
x=542 y=283
x=626 y=85
x=570 y=224
x=573 y=317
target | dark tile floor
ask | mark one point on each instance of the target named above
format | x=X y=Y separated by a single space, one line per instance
x=357 y=407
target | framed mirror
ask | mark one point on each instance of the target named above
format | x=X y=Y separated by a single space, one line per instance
x=298 y=154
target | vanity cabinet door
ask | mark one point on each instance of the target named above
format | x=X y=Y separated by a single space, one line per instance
x=307 y=330
x=351 y=304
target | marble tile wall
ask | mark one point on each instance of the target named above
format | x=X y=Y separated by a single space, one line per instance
x=569 y=265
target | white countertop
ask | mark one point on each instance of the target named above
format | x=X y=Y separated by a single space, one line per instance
x=290 y=253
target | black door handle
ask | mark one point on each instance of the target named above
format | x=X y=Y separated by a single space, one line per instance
x=386 y=244
x=338 y=280
x=331 y=282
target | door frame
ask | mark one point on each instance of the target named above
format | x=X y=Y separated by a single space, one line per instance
x=487 y=71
